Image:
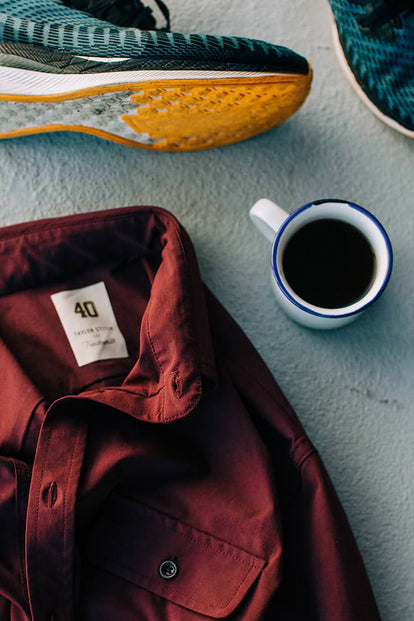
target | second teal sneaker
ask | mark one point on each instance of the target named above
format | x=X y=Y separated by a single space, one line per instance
x=65 y=69
x=374 y=41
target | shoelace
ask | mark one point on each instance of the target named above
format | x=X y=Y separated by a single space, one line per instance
x=124 y=13
x=387 y=11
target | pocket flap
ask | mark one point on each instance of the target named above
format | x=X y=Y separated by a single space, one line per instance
x=132 y=540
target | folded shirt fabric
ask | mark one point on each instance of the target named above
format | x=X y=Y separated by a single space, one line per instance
x=150 y=467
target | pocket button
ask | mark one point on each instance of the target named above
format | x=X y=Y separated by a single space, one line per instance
x=168 y=569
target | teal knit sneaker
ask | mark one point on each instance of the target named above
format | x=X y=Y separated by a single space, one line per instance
x=66 y=69
x=374 y=40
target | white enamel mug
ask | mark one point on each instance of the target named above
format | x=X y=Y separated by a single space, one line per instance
x=278 y=227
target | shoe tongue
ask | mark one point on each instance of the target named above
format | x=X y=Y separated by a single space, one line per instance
x=124 y=13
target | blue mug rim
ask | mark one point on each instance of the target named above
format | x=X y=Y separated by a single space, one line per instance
x=286 y=223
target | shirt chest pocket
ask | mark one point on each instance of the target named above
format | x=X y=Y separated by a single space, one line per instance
x=190 y=570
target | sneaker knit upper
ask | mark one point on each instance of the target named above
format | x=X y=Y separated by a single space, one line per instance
x=52 y=24
x=380 y=55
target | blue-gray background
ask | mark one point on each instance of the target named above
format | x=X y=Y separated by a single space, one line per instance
x=352 y=388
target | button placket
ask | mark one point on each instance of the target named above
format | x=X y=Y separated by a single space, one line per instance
x=51 y=513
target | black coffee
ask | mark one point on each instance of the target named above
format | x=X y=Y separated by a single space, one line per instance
x=329 y=263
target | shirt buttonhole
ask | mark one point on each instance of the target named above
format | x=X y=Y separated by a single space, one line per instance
x=51 y=495
x=176 y=384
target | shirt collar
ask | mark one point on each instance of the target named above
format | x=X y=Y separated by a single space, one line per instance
x=19 y=398
x=176 y=362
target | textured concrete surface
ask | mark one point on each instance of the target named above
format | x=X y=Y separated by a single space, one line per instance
x=353 y=388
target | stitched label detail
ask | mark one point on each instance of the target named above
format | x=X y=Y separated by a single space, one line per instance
x=90 y=324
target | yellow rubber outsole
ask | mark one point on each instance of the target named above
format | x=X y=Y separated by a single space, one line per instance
x=186 y=115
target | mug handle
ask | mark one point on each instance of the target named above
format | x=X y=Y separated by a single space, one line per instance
x=268 y=217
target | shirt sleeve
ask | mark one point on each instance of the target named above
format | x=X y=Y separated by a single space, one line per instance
x=324 y=574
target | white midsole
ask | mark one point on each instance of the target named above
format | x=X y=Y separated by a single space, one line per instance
x=24 y=82
x=351 y=78
x=105 y=59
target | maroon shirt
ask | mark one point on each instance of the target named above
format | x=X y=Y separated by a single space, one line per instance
x=180 y=449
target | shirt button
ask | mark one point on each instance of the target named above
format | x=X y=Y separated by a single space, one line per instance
x=168 y=569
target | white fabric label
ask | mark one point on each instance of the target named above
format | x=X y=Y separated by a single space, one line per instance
x=90 y=324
